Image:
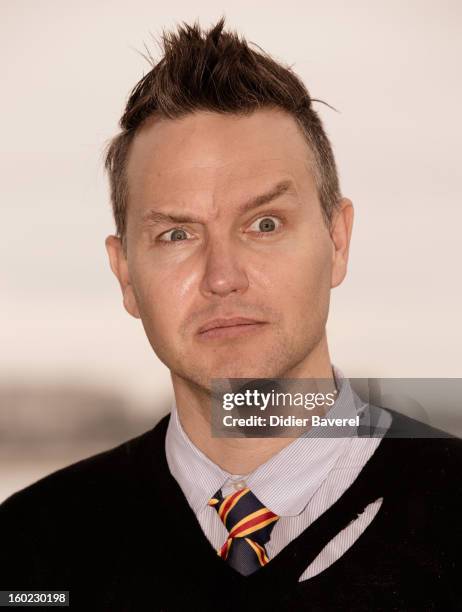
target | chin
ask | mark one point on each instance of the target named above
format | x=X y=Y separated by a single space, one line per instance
x=262 y=360
x=204 y=379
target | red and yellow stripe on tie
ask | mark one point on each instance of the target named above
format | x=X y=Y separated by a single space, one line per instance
x=246 y=526
x=229 y=503
x=253 y=522
x=224 y=550
x=259 y=551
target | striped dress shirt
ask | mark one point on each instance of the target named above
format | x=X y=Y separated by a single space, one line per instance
x=299 y=483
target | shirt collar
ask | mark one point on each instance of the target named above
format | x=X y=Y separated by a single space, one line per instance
x=284 y=484
x=198 y=477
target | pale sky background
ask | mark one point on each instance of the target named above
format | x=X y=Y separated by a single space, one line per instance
x=393 y=71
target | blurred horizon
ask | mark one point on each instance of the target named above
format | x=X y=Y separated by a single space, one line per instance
x=44 y=427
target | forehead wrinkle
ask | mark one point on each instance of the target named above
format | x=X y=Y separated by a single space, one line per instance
x=281 y=188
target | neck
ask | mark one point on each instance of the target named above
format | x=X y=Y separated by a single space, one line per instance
x=239 y=455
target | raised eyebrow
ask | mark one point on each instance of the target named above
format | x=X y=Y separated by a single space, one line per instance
x=264 y=198
x=154 y=216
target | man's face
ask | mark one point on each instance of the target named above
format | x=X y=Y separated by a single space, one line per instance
x=224 y=222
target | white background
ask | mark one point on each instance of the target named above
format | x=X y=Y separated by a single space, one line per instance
x=391 y=68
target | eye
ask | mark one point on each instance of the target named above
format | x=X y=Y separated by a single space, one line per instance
x=265 y=224
x=174 y=235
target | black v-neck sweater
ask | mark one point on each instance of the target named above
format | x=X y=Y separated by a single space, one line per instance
x=117 y=532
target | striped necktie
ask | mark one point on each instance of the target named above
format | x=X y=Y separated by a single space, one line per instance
x=249 y=526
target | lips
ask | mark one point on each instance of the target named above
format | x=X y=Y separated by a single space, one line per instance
x=222 y=323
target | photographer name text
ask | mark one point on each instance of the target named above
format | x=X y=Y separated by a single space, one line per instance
x=289 y=421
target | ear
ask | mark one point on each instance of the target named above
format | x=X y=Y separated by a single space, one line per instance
x=341 y=227
x=119 y=266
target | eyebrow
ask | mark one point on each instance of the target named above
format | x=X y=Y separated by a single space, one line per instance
x=154 y=216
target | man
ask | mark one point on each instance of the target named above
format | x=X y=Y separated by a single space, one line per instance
x=231 y=233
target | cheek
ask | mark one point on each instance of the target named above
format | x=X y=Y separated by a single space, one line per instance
x=302 y=277
x=187 y=283
x=164 y=292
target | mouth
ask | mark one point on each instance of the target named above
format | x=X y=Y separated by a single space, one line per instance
x=227 y=328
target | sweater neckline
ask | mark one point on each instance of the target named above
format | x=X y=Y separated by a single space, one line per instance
x=376 y=480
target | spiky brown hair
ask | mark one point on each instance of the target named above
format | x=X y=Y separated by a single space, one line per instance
x=216 y=70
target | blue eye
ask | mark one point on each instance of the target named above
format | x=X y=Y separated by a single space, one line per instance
x=265 y=225
x=174 y=235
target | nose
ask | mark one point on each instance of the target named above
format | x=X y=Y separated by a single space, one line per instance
x=224 y=271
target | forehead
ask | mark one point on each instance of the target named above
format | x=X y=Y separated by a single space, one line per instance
x=210 y=155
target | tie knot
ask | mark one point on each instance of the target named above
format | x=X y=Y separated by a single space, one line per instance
x=244 y=516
